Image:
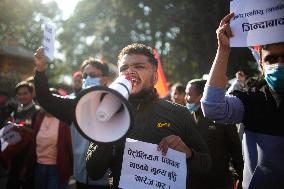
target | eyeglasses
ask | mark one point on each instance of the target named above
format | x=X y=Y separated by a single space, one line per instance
x=92 y=75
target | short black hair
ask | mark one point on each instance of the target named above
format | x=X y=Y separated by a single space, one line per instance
x=199 y=84
x=179 y=87
x=265 y=47
x=138 y=48
x=96 y=63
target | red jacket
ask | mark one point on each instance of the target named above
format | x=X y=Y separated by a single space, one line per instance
x=64 y=149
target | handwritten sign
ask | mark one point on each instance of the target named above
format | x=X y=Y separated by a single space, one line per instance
x=49 y=40
x=257 y=22
x=8 y=136
x=145 y=167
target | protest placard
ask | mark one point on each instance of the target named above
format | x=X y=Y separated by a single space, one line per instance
x=257 y=22
x=8 y=136
x=48 y=40
x=145 y=167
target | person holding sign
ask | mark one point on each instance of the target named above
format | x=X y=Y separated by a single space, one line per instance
x=261 y=110
x=156 y=121
x=94 y=73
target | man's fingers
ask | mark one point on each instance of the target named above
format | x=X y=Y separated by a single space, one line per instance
x=39 y=52
x=175 y=143
x=225 y=29
x=228 y=30
x=226 y=19
x=168 y=142
x=163 y=146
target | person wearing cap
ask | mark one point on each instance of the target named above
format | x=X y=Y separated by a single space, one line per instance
x=261 y=110
x=76 y=84
x=156 y=121
x=94 y=72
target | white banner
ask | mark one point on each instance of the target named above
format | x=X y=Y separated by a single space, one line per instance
x=49 y=40
x=145 y=167
x=257 y=22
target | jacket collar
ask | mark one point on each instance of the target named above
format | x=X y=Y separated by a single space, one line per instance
x=138 y=100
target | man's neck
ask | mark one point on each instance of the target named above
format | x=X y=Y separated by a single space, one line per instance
x=143 y=93
x=143 y=97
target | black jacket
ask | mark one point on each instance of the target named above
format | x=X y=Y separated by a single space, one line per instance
x=148 y=111
x=225 y=148
x=154 y=119
x=62 y=109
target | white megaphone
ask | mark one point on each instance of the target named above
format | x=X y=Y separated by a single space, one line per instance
x=103 y=114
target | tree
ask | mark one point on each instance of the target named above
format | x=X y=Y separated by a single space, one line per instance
x=183 y=32
x=20 y=25
x=20 y=21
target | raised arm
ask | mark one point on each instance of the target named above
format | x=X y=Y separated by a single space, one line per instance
x=214 y=104
x=60 y=107
x=217 y=75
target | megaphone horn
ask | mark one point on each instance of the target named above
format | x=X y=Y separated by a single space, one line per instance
x=103 y=114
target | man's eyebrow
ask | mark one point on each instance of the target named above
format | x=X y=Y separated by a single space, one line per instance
x=134 y=64
x=140 y=63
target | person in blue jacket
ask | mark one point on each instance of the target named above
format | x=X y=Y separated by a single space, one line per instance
x=260 y=109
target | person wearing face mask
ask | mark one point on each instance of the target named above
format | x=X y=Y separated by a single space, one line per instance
x=261 y=110
x=223 y=143
x=94 y=72
x=76 y=84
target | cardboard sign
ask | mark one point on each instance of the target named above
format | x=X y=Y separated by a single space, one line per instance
x=145 y=167
x=8 y=136
x=257 y=22
x=49 y=40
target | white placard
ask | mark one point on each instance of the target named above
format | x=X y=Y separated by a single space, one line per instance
x=257 y=22
x=145 y=167
x=49 y=40
x=8 y=136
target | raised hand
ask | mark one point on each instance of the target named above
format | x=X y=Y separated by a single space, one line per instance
x=224 y=31
x=40 y=59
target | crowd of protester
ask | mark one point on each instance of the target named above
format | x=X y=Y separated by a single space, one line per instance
x=232 y=136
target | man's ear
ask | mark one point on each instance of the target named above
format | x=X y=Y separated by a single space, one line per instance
x=155 y=77
x=104 y=81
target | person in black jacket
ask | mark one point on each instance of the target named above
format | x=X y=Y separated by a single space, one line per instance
x=178 y=132
x=223 y=142
x=23 y=117
x=94 y=72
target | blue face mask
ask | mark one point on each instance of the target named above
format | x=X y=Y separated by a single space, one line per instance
x=274 y=76
x=192 y=107
x=90 y=82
